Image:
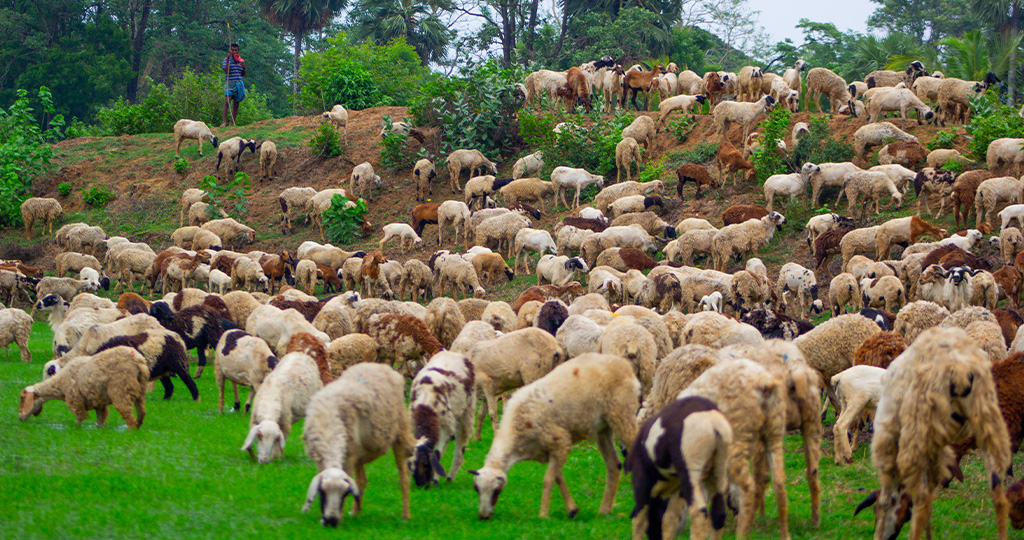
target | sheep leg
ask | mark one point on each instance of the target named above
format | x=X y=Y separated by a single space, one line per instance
x=401 y=455
x=165 y=381
x=360 y=478
x=739 y=472
x=201 y=351
x=920 y=520
x=140 y=408
x=234 y=389
x=218 y=377
x=840 y=431
x=123 y=406
x=612 y=467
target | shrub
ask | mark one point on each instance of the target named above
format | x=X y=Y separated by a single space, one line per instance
x=24 y=151
x=325 y=143
x=64 y=189
x=181 y=166
x=702 y=153
x=943 y=139
x=768 y=159
x=341 y=224
x=954 y=165
x=681 y=128
x=652 y=171
x=228 y=198
x=991 y=120
x=591 y=148
x=394 y=152
x=816 y=146
x=97 y=196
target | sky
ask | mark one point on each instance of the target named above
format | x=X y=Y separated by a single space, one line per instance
x=780 y=17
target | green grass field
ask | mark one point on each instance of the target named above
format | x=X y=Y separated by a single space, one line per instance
x=182 y=476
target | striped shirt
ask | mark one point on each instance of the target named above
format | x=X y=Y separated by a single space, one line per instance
x=235 y=72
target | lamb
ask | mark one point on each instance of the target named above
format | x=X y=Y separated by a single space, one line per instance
x=530 y=190
x=634 y=204
x=829 y=348
x=822 y=223
x=232 y=149
x=823 y=81
x=790 y=185
x=898 y=99
x=15 y=327
x=650 y=222
x=859 y=388
x=872 y=186
x=442 y=398
x=729 y=112
x=844 y=291
x=685 y=444
x=682 y=103
x=281 y=401
x=407 y=237
x=885 y=291
x=471 y=160
x=460 y=273
x=338 y=117
x=363 y=180
x=243 y=360
x=528 y=165
x=268 y=158
x=753 y=400
x=731 y=161
x=40 y=209
x=402 y=340
x=743 y=238
x=825 y=175
x=876 y=134
x=792 y=75
x=536 y=353
x=564 y=178
x=193 y=130
x=906 y=153
x=609 y=194
x=943 y=359
x=220 y=280
x=1005 y=153
x=116 y=376
x=796 y=279
x=627 y=152
x=587 y=398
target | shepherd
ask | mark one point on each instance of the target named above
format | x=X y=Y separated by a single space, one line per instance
x=234 y=91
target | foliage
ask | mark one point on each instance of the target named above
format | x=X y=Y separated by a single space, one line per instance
x=943 y=139
x=229 y=198
x=933 y=20
x=817 y=146
x=591 y=148
x=954 y=165
x=768 y=159
x=991 y=120
x=194 y=96
x=359 y=76
x=394 y=152
x=652 y=171
x=415 y=22
x=24 y=151
x=633 y=35
x=326 y=142
x=181 y=166
x=703 y=152
x=477 y=110
x=342 y=224
x=64 y=189
x=97 y=196
x=681 y=128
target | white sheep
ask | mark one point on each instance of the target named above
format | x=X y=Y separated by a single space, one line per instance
x=528 y=165
x=47 y=210
x=536 y=240
x=423 y=173
x=859 y=388
x=870 y=185
x=530 y=190
x=338 y=117
x=897 y=99
x=403 y=231
x=268 y=158
x=627 y=152
x=15 y=327
x=363 y=180
x=565 y=178
x=559 y=270
x=993 y=192
x=743 y=238
x=643 y=130
x=186 y=129
x=681 y=102
x=442 y=399
x=243 y=360
x=824 y=81
x=220 y=280
x=232 y=149
x=900 y=175
x=1010 y=213
x=825 y=175
x=729 y=112
x=876 y=134
x=281 y=402
x=791 y=185
x=1005 y=153
x=456 y=214
x=470 y=160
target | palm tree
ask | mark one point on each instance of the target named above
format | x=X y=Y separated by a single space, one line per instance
x=967 y=56
x=298 y=17
x=1005 y=16
x=382 y=21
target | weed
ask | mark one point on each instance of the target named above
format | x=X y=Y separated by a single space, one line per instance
x=97 y=196
x=325 y=143
x=181 y=166
x=64 y=189
x=229 y=198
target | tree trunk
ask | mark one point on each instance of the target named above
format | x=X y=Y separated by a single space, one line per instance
x=561 y=34
x=1011 y=75
x=295 y=66
x=138 y=37
x=531 y=36
x=508 y=42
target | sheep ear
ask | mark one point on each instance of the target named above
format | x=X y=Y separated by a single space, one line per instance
x=435 y=462
x=247 y=445
x=866 y=503
x=314 y=488
x=473 y=472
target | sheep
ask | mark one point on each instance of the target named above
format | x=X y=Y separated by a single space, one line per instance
x=698 y=174
x=686 y=444
x=456 y=214
x=749 y=82
x=649 y=221
x=790 y=185
x=248 y=274
x=75 y=262
x=880 y=349
x=66 y=288
x=825 y=175
x=444 y=320
x=326 y=255
x=338 y=117
x=993 y=192
x=544 y=419
x=1005 y=153
x=276 y=326
x=823 y=81
x=635 y=344
x=898 y=99
x=682 y=103
x=564 y=178
x=532 y=240
x=609 y=194
x=501 y=231
x=416 y=278
x=232 y=149
x=796 y=279
x=876 y=134
x=637 y=81
x=1010 y=213
x=870 y=185
x=363 y=180
x=894 y=231
x=442 y=398
x=220 y=280
x=116 y=376
x=844 y=290
x=901 y=176
x=729 y=112
x=231 y=231
x=634 y=236
x=199 y=327
x=188 y=198
x=946 y=361
x=938 y=158
x=544 y=81
x=822 y=223
x=885 y=291
x=930 y=180
x=350 y=423
x=829 y=348
x=526 y=189
x=186 y=129
x=954 y=96
x=460 y=273
x=859 y=388
x=406 y=236
x=478 y=188
x=15 y=327
x=634 y=204
x=536 y=352
x=528 y=165
x=753 y=400
x=743 y=238
x=243 y=360
x=731 y=161
x=40 y=209
x=627 y=152
x=268 y=158
x=471 y=160
x=349 y=350
x=402 y=339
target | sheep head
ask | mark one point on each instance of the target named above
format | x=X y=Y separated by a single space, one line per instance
x=488 y=484
x=1015 y=496
x=425 y=465
x=29 y=404
x=332 y=485
x=269 y=441
x=891 y=516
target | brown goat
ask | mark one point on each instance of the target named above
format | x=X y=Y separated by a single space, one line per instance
x=714 y=88
x=738 y=213
x=1009 y=280
x=331 y=281
x=423 y=215
x=132 y=304
x=1009 y=321
x=278 y=268
x=550 y=292
x=369 y=272
x=576 y=90
x=640 y=81
x=1009 y=378
x=826 y=245
x=731 y=161
x=910 y=154
x=879 y=350
x=698 y=174
x=596 y=225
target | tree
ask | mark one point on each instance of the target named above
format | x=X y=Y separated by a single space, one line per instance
x=298 y=17
x=1007 y=18
x=928 y=21
x=384 y=20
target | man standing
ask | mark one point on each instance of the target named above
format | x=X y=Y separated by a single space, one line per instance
x=234 y=93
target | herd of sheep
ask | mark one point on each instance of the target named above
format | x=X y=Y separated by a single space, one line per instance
x=697 y=374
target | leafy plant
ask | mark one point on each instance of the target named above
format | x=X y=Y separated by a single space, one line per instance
x=394 y=152
x=943 y=139
x=181 y=166
x=991 y=120
x=591 y=147
x=954 y=165
x=97 y=196
x=767 y=159
x=229 y=198
x=652 y=171
x=817 y=146
x=681 y=128
x=342 y=223
x=702 y=153
x=25 y=151
x=64 y=189
x=325 y=143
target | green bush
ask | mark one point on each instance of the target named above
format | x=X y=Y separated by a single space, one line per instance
x=768 y=159
x=64 y=189
x=229 y=198
x=181 y=166
x=394 y=152
x=591 y=147
x=702 y=153
x=681 y=128
x=25 y=151
x=991 y=120
x=325 y=143
x=943 y=139
x=98 y=196
x=341 y=224
x=817 y=146
x=652 y=171
x=954 y=165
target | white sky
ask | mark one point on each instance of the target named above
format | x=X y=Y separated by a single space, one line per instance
x=780 y=18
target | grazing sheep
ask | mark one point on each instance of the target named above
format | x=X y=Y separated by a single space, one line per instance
x=822 y=223
x=823 y=81
x=15 y=327
x=634 y=204
x=743 y=238
x=243 y=360
x=232 y=149
x=954 y=97
x=876 y=134
x=526 y=189
x=627 y=152
x=829 y=348
x=268 y=158
x=40 y=209
x=898 y=99
x=352 y=422
x=193 y=130
x=800 y=281
x=282 y=401
x=407 y=237
x=536 y=240
x=528 y=165
x=402 y=340
x=643 y=130
x=682 y=103
x=609 y=194
x=590 y=397
x=825 y=175
x=500 y=231
x=844 y=291
x=363 y=180
x=471 y=160
x=790 y=185
x=730 y=112
x=885 y=291
x=423 y=173
x=338 y=117
x=1005 y=154
x=859 y=388
x=441 y=400
x=870 y=185
x=565 y=178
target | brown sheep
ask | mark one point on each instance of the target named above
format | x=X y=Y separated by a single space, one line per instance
x=313 y=348
x=489 y=266
x=950 y=256
x=962 y=195
x=369 y=272
x=401 y=339
x=730 y=161
x=624 y=259
x=738 y=213
x=1009 y=377
x=576 y=90
x=132 y=304
x=596 y=225
x=698 y=174
x=1009 y=280
x=879 y=350
x=423 y=215
x=826 y=245
x=1009 y=321
x=910 y=154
